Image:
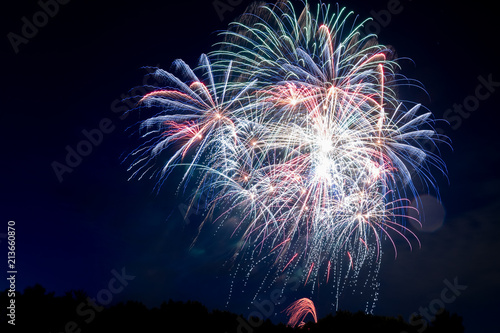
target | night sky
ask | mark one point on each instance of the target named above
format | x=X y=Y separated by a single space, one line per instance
x=72 y=76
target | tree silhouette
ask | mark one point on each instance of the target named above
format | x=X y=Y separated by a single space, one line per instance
x=40 y=311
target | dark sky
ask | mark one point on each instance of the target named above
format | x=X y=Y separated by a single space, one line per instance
x=72 y=74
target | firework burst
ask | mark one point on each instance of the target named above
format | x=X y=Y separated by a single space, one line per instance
x=298 y=311
x=296 y=127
